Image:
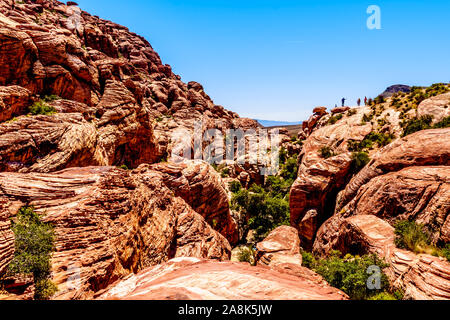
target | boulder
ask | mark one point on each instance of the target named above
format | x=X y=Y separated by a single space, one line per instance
x=438 y=107
x=340 y=110
x=280 y=249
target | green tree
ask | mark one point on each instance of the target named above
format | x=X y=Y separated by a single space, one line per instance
x=34 y=243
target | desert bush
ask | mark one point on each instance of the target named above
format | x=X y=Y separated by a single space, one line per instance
x=348 y=273
x=225 y=172
x=417 y=124
x=235 y=186
x=41 y=108
x=246 y=254
x=266 y=210
x=415 y=237
x=444 y=123
x=412 y=236
x=334 y=119
x=283 y=155
x=446 y=251
x=326 y=152
x=380 y=99
x=51 y=97
x=360 y=159
x=289 y=170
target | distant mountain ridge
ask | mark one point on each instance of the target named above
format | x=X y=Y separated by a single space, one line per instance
x=273 y=123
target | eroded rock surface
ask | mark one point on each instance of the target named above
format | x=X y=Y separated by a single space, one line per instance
x=319 y=179
x=281 y=248
x=438 y=107
x=108 y=223
x=421 y=277
x=122 y=104
x=197 y=279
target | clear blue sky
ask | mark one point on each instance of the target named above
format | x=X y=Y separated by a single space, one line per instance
x=278 y=59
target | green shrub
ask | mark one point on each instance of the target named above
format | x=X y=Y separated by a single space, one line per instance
x=367 y=118
x=44 y=289
x=411 y=236
x=417 y=124
x=277 y=186
x=360 y=160
x=308 y=260
x=123 y=167
x=380 y=99
x=326 y=152
x=51 y=98
x=246 y=254
x=415 y=237
x=336 y=118
x=289 y=170
x=225 y=172
x=41 y=108
x=235 y=186
x=349 y=274
x=446 y=251
x=283 y=155
x=380 y=139
x=265 y=210
x=444 y=123
x=34 y=243
x=383 y=296
x=351 y=112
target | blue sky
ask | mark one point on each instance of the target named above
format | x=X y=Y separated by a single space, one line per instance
x=279 y=59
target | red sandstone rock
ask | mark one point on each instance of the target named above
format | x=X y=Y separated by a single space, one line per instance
x=14 y=101
x=203 y=189
x=280 y=247
x=421 y=277
x=340 y=110
x=108 y=223
x=195 y=279
x=438 y=107
x=319 y=178
x=114 y=73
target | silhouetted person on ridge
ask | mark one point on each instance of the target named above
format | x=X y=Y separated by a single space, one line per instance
x=343 y=101
x=365 y=101
x=359 y=102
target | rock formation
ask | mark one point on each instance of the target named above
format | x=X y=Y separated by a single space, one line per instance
x=196 y=279
x=319 y=179
x=421 y=277
x=108 y=223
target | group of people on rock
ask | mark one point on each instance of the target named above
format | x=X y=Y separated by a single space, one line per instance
x=358 y=101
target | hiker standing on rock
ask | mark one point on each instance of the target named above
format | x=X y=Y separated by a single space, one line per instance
x=359 y=102
x=343 y=101
x=365 y=101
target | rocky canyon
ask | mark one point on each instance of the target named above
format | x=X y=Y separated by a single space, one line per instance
x=87 y=116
